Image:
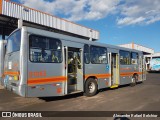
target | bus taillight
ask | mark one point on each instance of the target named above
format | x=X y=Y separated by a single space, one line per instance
x=16 y=78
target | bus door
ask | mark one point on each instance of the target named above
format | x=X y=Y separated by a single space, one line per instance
x=114 y=63
x=74 y=69
x=142 y=67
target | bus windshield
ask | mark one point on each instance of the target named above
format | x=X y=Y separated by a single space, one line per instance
x=13 y=42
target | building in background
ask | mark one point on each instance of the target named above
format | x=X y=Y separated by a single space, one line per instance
x=13 y=15
x=145 y=50
x=152 y=59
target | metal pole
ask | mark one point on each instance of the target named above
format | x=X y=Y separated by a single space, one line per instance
x=20 y=20
x=90 y=39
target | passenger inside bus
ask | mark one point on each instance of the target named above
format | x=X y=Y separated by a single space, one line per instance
x=73 y=61
x=86 y=58
x=43 y=55
x=55 y=57
x=95 y=59
x=70 y=62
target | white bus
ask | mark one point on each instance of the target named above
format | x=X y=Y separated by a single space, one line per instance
x=153 y=62
x=40 y=63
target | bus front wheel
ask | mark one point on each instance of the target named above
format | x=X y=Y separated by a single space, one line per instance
x=91 y=87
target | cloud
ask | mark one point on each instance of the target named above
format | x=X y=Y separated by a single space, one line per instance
x=128 y=12
x=130 y=20
x=101 y=8
x=75 y=10
x=53 y=7
x=139 y=12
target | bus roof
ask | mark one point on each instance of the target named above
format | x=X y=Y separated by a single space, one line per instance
x=73 y=39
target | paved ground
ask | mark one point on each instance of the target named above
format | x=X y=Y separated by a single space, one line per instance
x=142 y=97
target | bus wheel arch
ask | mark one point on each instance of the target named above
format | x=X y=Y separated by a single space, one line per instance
x=91 y=86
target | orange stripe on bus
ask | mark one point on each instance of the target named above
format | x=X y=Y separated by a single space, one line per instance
x=129 y=73
x=46 y=80
x=11 y=73
x=1 y=3
x=98 y=75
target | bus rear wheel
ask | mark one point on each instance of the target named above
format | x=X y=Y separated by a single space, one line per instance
x=91 y=87
x=134 y=80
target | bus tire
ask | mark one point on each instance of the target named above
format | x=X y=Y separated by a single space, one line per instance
x=134 y=80
x=91 y=87
x=136 y=77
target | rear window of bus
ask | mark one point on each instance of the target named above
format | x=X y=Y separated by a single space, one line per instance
x=14 y=41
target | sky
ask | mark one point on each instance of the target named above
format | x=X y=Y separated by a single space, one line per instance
x=118 y=21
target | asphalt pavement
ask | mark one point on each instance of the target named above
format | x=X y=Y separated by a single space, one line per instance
x=142 y=97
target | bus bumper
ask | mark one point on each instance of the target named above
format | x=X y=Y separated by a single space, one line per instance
x=46 y=90
x=19 y=90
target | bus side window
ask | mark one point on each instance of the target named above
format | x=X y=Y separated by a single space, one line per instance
x=48 y=50
x=134 y=58
x=86 y=54
x=125 y=57
x=98 y=55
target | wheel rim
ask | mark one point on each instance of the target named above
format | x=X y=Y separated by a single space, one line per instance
x=91 y=87
x=133 y=80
